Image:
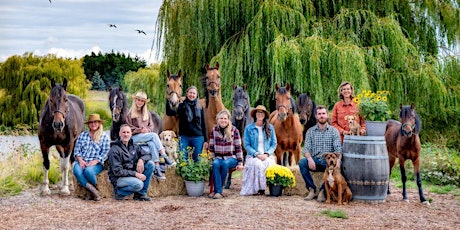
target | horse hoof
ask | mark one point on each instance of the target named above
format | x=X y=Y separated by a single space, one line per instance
x=65 y=191
x=45 y=192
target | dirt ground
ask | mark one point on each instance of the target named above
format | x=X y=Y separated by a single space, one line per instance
x=31 y=211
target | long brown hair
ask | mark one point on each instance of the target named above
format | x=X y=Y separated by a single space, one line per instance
x=265 y=126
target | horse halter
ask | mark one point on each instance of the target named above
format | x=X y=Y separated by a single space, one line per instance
x=407 y=133
x=287 y=108
x=209 y=82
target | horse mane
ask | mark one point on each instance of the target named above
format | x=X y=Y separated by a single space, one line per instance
x=406 y=112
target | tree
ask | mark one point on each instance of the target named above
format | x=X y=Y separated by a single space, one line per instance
x=148 y=80
x=97 y=82
x=315 y=45
x=26 y=83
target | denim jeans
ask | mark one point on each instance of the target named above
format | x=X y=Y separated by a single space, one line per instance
x=195 y=142
x=153 y=141
x=220 y=169
x=88 y=174
x=129 y=185
x=305 y=171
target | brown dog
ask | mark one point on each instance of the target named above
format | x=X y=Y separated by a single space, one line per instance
x=354 y=126
x=336 y=186
x=170 y=144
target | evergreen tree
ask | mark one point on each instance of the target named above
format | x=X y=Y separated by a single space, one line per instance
x=97 y=82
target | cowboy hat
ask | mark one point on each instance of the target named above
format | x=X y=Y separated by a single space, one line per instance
x=141 y=96
x=261 y=108
x=94 y=117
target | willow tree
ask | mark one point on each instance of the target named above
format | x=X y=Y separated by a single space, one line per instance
x=314 y=45
x=25 y=83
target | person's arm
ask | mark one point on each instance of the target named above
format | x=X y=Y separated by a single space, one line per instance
x=247 y=142
x=273 y=142
x=211 y=144
x=150 y=125
x=237 y=143
x=203 y=126
x=105 y=147
x=77 y=150
x=134 y=129
x=116 y=165
x=335 y=118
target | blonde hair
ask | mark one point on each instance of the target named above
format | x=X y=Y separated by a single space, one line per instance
x=228 y=130
x=135 y=114
x=98 y=133
x=339 y=90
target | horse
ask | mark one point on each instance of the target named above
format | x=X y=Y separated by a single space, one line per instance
x=61 y=121
x=287 y=126
x=241 y=108
x=173 y=98
x=403 y=142
x=306 y=108
x=212 y=101
x=118 y=104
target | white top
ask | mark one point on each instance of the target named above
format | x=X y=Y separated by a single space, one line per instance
x=260 y=141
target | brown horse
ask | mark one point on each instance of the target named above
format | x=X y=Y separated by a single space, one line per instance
x=173 y=98
x=61 y=121
x=287 y=126
x=212 y=101
x=306 y=108
x=403 y=142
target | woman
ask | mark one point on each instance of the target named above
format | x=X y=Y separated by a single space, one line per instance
x=225 y=147
x=90 y=151
x=192 y=126
x=140 y=121
x=260 y=143
x=346 y=107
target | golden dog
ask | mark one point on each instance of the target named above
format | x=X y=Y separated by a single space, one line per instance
x=167 y=138
x=354 y=126
x=336 y=186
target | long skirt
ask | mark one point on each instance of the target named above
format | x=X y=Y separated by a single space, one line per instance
x=254 y=175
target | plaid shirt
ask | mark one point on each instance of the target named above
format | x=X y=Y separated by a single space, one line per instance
x=88 y=150
x=220 y=147
x=319 y=141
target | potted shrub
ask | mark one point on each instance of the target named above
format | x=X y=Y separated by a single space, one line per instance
x=194 y=173
x=374 y=109
x=278 y=178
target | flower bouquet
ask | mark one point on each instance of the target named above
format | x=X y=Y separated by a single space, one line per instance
x=373 y=106
x=280 y=175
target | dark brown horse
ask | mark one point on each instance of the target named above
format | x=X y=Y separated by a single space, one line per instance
x=287 y=126
x=241 y=108
x=403 y=142
x=61 y=121
x=306 y=108
x=118 y=104
x=173 y=98
x=212 y=101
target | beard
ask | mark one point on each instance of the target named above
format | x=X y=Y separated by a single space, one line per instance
x=322 y=121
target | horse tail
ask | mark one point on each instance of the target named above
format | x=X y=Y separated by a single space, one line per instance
x=418 y=124
x=157 y=123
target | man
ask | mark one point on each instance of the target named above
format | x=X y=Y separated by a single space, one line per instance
x=130 y=167
x=321 y=138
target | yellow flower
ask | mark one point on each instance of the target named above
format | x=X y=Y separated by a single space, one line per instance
x=277 y=174
x=374 y=106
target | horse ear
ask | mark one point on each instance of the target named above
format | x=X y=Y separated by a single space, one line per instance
x=120 y=88
x=207 y=66
x=245 y=87
x=53 y=83
x=217 y=65
x=288 y=87
x=277 y=87
x=400 y=106
x=168 y=74
x=412 y=105
x=234 y=86
x=179 y=74
x=64 y=85
x=110 y=88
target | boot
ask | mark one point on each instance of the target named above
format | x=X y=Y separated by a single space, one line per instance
x=157 y=173
x=311 y=195
x=93 y=190
x=321 y=196
x=168 y=161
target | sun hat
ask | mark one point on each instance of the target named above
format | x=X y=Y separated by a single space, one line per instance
x=94 y=117
x=141 y=96
x=261 y=108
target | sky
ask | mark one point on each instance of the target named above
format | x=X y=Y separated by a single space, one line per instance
x=74 y=28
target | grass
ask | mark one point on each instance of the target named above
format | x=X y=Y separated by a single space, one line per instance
x=98 y=102
x=334 y=214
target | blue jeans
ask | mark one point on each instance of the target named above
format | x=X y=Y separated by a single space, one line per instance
x=129 y=185
x=88 y=174
x=220 y=169
x=305 y=171
x=195 y=142
x=153 y=141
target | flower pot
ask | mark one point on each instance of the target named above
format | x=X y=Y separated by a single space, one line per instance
x=275 y=190
x=194 y=188
x=376 y=128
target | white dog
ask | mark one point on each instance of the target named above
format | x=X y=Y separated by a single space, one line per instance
x=170 y=144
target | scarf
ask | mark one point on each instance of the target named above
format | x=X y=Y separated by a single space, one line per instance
x=192 y=113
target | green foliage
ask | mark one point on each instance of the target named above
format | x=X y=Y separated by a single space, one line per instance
x=190 y=170
x=373 y=106
x=443 y=168
x=97 y=82
x=9 y=186
x=335 y=214
x=25 y=83
x=112 y=67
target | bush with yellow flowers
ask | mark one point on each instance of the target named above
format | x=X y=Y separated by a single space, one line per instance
x=190 y=170
x=280 y=175
x=373 y=106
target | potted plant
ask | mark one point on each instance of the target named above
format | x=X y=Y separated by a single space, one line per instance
x=374 y=109
x=278 y=178
x=194 y=173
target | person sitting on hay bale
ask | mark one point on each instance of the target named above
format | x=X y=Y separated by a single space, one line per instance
x=130 y=167
x=90 y=152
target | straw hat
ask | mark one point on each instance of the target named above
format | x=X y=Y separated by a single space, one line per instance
x=141 y=96
x=94 y=117
x=261 y=108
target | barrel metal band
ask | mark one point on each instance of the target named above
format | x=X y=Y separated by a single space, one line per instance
x=355 y=182
x=361 y=156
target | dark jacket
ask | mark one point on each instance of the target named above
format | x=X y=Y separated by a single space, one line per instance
x=197 y=127
x=123 y=160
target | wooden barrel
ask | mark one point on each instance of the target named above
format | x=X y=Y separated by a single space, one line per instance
x=365 y=167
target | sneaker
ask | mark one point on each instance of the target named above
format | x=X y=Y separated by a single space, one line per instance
x=321 y=196
x=169 y=162
x=117 y=196
x=157 y=173
x=211 y=195
x=218 y=196
x=311 y=195
x=141 y=197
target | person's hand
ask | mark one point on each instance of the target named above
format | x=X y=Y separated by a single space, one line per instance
x=311 y=164
x=205 y=145
x=82 y=163
x=140 y=176
x=262 y=157
x=144 y=130
x=140 y=166
x=346 y=132
x=92 y=163
x=362 y=132
x=239 y=167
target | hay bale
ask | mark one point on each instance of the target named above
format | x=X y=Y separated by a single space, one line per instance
x=174 y=185
x=300 y=188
